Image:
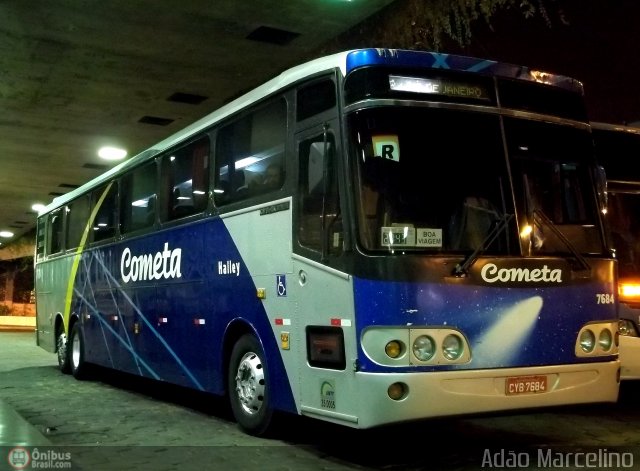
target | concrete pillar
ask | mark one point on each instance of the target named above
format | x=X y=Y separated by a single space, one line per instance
x=8 y=287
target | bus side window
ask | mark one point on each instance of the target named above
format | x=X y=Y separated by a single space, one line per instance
x=185 y=180
x=77 y=219
x=41 y=238
x=314 y=154
x=315 y=98
x=250 y=154
x=105 y=222
x=55 y=232
x=138 y=205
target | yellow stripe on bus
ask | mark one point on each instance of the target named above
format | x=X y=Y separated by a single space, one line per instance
x=76 y=257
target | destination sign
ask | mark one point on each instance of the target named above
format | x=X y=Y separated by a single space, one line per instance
x=437 y=87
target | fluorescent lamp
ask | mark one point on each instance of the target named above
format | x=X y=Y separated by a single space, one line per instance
x=112 y=153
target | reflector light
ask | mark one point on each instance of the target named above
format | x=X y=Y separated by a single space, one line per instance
x=341 y=322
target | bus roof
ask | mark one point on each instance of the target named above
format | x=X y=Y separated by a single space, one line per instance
x=614 y=127
x=617 y=150
x=345 y=62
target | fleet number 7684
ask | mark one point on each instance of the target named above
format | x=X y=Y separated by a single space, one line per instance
x=604 y=298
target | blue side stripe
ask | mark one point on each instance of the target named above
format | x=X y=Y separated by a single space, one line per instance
x=104 y=337
x=87 y=267
x=149 y=325
x=115 y=334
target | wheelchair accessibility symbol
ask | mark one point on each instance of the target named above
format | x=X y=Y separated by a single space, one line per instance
x=281 y=285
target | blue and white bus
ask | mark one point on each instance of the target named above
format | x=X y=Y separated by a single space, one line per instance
x=372 y=237
x=618 y=151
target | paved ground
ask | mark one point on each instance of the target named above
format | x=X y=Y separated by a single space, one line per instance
x=117 y=422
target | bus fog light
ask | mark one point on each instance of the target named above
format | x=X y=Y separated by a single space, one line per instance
x=605 y=340
x=397 y=391
x=452 y=347
x=424 y=348
x=393 y=349
x=587 y=341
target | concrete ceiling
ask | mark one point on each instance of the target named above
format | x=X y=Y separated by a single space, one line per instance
x=79 y=74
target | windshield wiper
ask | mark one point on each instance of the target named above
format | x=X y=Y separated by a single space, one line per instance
x=544 y=220
x=462 y=269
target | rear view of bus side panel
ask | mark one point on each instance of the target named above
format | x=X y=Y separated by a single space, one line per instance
x=51 y=278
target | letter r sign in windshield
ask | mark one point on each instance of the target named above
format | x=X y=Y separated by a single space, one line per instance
x=386 y=147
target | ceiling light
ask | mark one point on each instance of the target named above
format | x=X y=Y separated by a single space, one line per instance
x=6 y=234
x=37 y=207
x=112 y=153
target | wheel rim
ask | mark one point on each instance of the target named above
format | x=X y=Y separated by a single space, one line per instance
x=62 y=348
x=250 y=384
x=75 y=351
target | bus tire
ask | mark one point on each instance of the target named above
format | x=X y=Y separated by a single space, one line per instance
x=249 y=388
x=76 y=347
x=63 y=352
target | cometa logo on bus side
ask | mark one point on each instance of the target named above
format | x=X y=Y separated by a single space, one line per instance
x=163 y=264
x=491 y=273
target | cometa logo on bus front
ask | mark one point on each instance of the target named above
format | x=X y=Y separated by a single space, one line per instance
x=164 y=264
x=492 y=274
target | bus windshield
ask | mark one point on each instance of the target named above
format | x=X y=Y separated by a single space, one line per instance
x=554 y=188
x=617 y=148
x=436 y=180
x=623 y=203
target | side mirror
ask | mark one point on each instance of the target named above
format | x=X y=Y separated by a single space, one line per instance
x=601 y=186
x=316 y=168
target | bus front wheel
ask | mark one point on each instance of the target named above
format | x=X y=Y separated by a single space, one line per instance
x=249 y=386
x=76 y=346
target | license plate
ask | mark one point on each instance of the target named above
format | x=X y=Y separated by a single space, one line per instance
x=516 y=385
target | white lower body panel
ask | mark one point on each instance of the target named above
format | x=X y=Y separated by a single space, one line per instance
x=629 y=352
x=440 y=394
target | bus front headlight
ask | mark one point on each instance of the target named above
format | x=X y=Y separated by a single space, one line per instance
x=424 y=348
x=587 y=341
x=605 y=339
x=452 y=347
x=597 y=339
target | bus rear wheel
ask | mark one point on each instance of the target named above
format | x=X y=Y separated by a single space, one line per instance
x=249 y=389
x=76 y=347
x=63 y=353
